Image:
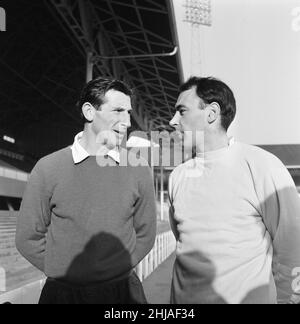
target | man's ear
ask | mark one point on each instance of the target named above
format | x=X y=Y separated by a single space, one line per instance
x=88 y=111
x=214 y=112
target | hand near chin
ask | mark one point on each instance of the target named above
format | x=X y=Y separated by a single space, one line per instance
x=107 y=141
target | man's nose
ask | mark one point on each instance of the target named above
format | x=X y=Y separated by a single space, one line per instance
x=126 y=122
x=175 y=121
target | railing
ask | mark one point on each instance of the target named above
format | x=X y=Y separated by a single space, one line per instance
x=28 y=294
x=2 y=279
x=164 y=246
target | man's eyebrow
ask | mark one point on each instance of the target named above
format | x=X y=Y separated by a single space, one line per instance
x=180 y=107
x=123 y=109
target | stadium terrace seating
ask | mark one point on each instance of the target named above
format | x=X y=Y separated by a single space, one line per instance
x=18 y=271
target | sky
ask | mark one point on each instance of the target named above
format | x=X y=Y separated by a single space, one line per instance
x=253 y=46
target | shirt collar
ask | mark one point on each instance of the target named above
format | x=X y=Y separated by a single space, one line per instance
x=80 y=154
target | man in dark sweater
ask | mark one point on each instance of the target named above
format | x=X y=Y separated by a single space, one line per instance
x=86 y=225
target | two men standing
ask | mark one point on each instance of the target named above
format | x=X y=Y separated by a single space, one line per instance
x=235 y=211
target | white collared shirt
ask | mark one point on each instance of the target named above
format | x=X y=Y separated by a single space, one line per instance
x=80 y=154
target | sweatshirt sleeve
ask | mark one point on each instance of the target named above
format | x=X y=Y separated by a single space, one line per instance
x=144 y=217
x=281 y=214
x=34 y=219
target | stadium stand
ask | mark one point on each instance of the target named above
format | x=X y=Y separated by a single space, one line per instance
x=18 y=271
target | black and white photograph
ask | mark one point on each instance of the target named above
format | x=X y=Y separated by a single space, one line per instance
x=149 y=155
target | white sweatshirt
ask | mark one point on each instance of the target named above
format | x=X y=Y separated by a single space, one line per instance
x=236 y=215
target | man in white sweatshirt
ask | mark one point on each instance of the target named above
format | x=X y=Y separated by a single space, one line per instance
x=235 y=210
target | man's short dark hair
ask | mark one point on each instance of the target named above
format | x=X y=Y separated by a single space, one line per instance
x=213 y=90
x=94 y=92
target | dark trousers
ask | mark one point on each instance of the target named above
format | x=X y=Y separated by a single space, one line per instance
x=125 y=291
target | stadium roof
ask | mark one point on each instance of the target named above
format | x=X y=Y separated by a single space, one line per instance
x=43 y=64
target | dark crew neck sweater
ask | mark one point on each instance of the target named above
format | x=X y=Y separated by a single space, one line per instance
x=83 y=223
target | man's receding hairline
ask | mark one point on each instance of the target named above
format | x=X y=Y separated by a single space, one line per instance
x=116 y=90
x=105 y=100
x=190 y=88
x=202 y=102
